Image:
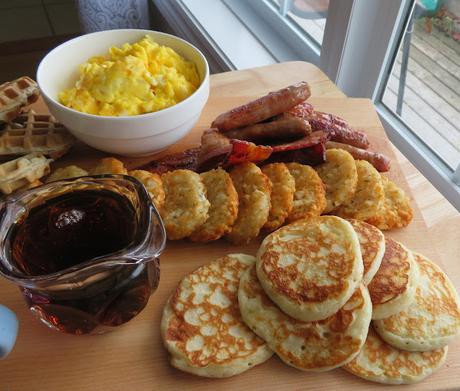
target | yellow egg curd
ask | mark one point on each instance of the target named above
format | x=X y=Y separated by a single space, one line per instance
x=132 y=79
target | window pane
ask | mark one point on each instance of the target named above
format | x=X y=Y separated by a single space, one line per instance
x=424 y=87
x=309 y=15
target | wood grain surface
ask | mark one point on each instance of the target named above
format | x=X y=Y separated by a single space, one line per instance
x=133 y=358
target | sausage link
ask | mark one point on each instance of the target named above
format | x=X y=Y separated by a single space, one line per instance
x=263 y=108
x=378 y=160
x=282 y=129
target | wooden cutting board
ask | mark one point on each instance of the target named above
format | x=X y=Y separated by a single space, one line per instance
x=132 y=357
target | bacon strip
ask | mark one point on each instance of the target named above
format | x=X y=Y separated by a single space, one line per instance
x=309 y=150
x=245 y=151
x=187 y=160
x=379 y=161
x=263 y=108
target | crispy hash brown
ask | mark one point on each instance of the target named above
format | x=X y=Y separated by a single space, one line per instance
x=396 y=211
x=369 y=196
x=309 y=196
x=66 y=173
x=109 y=165
x=282 y=197
x=186 y=206
x=202 y=326
x=382 y=363
x=153 y=184
x=254 y=189
x=224 y=206
x=340 y=176
x=308 y=346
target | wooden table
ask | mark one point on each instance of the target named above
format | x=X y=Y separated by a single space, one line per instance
x=132 y=357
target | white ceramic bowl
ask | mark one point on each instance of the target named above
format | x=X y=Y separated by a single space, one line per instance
x=125 y=135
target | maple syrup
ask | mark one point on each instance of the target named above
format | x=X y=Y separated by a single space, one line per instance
x=62 y=234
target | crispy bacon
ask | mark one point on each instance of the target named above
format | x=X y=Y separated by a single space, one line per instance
x=245 y=151
x=309 y=150
x=218 y=150
x=187 y=160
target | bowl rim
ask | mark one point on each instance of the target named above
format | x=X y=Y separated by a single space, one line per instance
x=203 y=85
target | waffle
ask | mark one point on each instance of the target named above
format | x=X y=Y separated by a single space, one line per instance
x=23 y=171
x=32 y=132
x=16 y=94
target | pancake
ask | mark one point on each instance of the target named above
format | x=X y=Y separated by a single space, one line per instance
x=282 y=196
x=340 y=176
x=254 y=189
x=223 y=199
x=393 y=287
x=186 y=207
x=312 y=267
x=310 y=346
x=309 y=196
x=202 y=326
x=382 y=363
x=372 y=243
x=432 y=321
x=369 y=196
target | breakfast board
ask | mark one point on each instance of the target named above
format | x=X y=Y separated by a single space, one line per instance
x=132 y=357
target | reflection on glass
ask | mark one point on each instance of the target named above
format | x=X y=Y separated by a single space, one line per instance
x=424 y=86
x=308 y=15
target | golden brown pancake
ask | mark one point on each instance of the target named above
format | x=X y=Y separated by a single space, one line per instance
x=312 y=267
x=393 y=287
x=432 y=321
x=382 y=363
x=202 y=326
x=372 y=243
x=310 y=346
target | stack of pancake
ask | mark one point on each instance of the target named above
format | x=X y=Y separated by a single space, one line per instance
x=322 y=293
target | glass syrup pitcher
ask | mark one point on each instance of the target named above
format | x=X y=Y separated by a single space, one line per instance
x=84 y=252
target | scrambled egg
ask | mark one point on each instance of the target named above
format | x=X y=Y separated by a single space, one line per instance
x=134 y=79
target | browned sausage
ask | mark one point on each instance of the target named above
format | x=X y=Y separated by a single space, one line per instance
x=282 y=129
x=379 y=161
x=338 y=129
x=263 y=108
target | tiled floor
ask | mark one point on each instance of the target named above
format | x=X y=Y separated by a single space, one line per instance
x=29 y=19
x=29 y=29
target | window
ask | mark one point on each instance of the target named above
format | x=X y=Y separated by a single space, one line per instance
x=364 y=47
x=424 y=87
x=308 y=15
